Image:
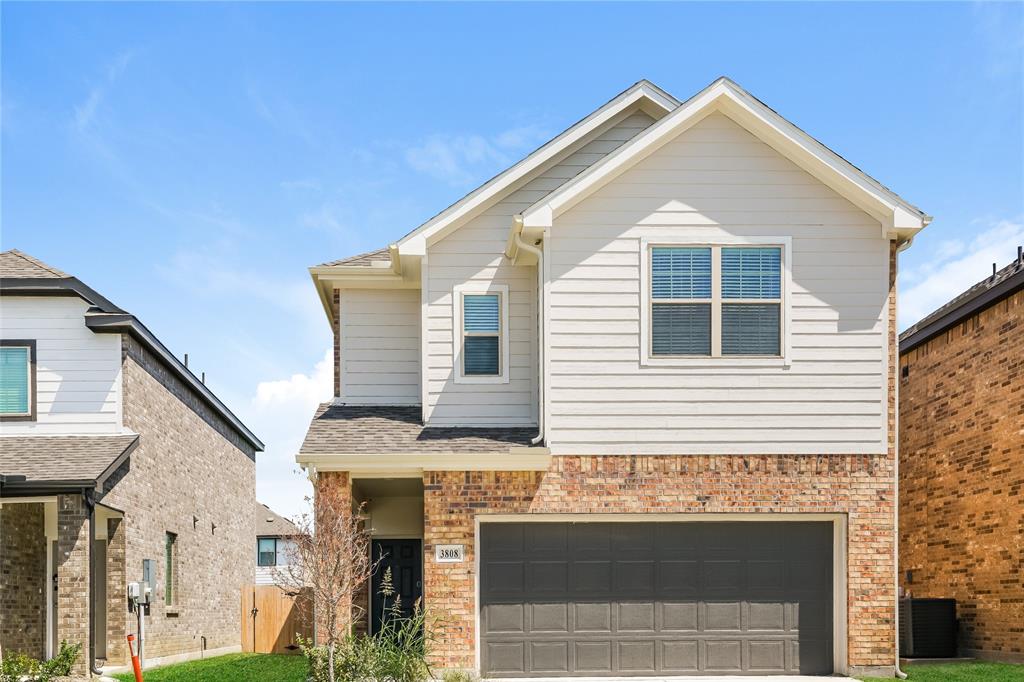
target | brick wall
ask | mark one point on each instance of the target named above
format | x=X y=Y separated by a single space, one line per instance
x=73 y=575
x=190 y=472
x=336 y=305
x=962 y=476
x=858 y=485
x=23 y=581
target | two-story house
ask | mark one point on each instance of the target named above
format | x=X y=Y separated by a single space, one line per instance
x=628 y=408
x=117 y=466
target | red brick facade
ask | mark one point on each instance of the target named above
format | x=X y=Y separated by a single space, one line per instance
x=859 y=486
x=962 y=476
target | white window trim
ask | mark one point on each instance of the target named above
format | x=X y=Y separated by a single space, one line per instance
x=697 y=239
x=457 y=332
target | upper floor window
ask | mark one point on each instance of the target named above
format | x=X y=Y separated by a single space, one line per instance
x=17 y=379
x=481 y=346
x=266 y=552
x=715 y=301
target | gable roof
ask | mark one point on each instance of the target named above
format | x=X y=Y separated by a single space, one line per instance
x=985 y=293
x=23 y=275
x=271 y=524
x=642 y=93
x=14 y=263
x=893 y=212
x=366 y=260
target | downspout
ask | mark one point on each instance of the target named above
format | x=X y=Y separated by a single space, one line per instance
x=530 y=248
x=900 y=247
x=88 y=496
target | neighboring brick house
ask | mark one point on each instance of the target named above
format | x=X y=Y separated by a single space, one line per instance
x=113 y=456
x=629 y=407
x=275 y=545
x=962 y=462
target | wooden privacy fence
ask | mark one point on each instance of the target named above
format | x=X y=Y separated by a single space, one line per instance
x=272 y=617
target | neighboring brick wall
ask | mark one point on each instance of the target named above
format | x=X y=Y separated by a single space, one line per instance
x=23 y=581
x=858 y=485
x=962 y=476
x=189 y=465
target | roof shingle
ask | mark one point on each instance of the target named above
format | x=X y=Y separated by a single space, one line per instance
x=366 y=260
x=381 y=429
x=14 y=263
x=271 y=524
x=56 y=459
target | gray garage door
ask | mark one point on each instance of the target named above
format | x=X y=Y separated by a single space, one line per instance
x=596 y=599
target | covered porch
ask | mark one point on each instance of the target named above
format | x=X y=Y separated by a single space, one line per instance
x=62 y=574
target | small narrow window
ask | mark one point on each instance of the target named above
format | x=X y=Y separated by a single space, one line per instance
x=751 y=300
x=266 y=549
x=17 y=363
x=481 y=329
x=680 y=301
x=170 y=568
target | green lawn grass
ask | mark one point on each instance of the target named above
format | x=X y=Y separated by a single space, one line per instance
x=230 y=668
x=962 y=672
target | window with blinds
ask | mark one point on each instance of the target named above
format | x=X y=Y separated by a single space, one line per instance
x=712 y=301
x=481 y=334
x=15 y=379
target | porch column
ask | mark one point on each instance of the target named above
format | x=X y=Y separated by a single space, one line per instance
x=73 y=576
x=23 y=582
x=117 y=603
x=336 y=486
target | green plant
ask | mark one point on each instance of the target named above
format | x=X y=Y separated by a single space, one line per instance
x=17 y=667
x=458 y=676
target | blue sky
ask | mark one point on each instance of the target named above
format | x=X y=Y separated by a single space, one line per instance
x=190 y=161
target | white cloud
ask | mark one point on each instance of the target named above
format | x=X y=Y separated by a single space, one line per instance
x=954 y=267
x=280 y=411
x=460 y=159
x=86 y=111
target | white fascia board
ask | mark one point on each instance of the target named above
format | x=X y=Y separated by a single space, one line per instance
x=725 y=96
x=415 y=243
x=513 y=459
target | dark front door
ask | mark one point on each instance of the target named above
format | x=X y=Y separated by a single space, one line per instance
x=660 y=599
x=404 y=558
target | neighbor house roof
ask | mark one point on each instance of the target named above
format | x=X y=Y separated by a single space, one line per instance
x=60 y=462
x=270 y=523
x=14 y=263
x=726 y=96
x=23 y=275
x=985 y=293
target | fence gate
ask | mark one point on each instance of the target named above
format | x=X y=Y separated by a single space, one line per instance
x=272 y=618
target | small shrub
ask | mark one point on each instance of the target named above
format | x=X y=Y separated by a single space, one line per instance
x=17 y=667
x=458 y=676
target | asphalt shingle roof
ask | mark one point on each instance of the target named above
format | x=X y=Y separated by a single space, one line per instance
x=363 y=259
x=14 y=263
x=270 y=523
x=1014 y=269
x=378 y=429
x=61 y=458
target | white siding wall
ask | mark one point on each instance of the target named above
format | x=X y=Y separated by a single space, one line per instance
x=474 y=253
x=718 y=178
x=78 y=373
x=380 y=342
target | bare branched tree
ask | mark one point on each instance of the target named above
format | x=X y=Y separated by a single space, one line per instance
x=330 y=557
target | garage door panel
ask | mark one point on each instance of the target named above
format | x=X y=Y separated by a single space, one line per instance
x=655 y=598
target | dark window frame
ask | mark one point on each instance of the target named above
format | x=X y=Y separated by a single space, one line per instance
x=31 y=345
x=259 y=554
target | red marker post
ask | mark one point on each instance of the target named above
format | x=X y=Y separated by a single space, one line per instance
x=136 y=666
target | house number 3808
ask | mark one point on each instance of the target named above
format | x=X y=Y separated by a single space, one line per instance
x=448 y=553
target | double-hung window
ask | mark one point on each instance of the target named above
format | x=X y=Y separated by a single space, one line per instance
x=715 y=301
x=481 y=341
x=266 y=552
x=17 y=379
